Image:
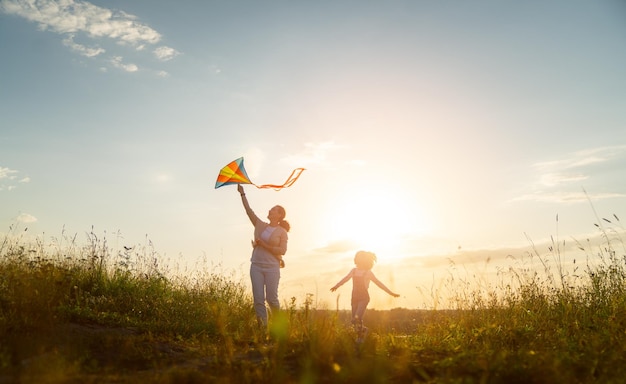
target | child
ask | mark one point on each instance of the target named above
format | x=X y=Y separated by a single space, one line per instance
x=361 y=277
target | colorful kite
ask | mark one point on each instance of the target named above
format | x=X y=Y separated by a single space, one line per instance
x=235 y=173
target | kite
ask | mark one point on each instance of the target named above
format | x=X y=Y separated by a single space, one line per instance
x=235 y=173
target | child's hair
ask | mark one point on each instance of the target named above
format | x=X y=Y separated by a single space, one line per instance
x=364 y=259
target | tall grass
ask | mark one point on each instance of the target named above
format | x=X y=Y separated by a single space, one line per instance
x=92 y=313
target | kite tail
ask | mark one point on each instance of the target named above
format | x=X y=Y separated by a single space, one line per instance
x=290 y=180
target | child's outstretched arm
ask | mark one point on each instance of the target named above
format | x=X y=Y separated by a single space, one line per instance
x=343 y=281
x=381 y=285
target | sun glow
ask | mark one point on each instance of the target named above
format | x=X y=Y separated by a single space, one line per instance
x=378 y=221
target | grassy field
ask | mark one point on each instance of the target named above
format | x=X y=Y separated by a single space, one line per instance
x=80 y=314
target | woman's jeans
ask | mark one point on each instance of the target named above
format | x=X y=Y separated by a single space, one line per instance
x=265 y=280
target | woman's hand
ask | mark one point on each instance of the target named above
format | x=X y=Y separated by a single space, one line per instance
x=261 y=243
x=240 y=189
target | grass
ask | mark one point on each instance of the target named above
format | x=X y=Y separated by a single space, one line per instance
x=80 y=313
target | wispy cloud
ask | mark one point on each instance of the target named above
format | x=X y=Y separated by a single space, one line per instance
x=561 y=180
x=81 y=49
x=214 y=69
x=9 y=177
x=117 y=63
x=553 y=179
x=576 y=246
x=583 y=159
x=566 y=197
x=313 y=154
x=6 y=173
x=72 y=17
x=336 y=247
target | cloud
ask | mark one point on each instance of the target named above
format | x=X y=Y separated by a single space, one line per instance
x=510 y=255
x=117 y=63
x=73 y=17
x=26 y=218
x=582 y=159
x=165 y=53
x=560 y=180
x=69 y=16
x=8 y=178
x=339 y=246
x=566 y=197
x=6 y=173
x=81 y=49
x=313 y=154
x=553 y=179
x=214 y=69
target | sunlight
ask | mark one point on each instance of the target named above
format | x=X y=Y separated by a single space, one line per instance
x=377 y=220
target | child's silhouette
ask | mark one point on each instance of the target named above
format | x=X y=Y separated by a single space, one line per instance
x=361 y=277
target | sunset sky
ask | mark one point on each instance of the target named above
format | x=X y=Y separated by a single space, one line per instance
x=433 y=133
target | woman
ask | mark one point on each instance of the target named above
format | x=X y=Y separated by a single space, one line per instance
x=269 y=246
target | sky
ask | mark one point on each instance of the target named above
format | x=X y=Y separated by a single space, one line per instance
x=451 y=138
